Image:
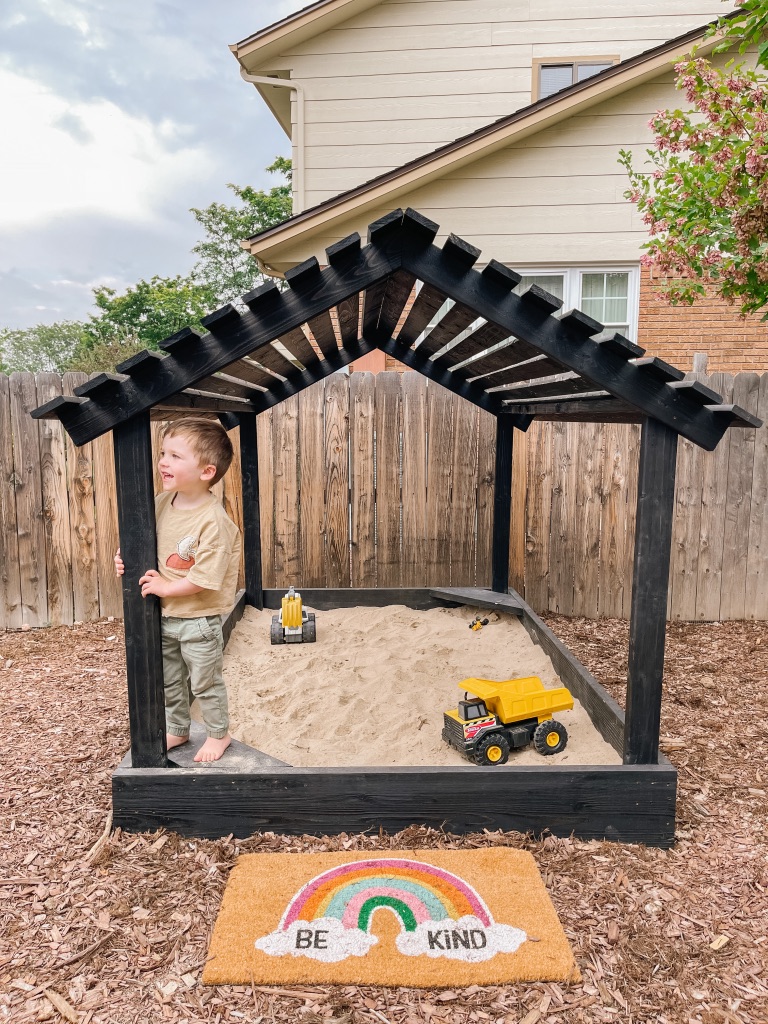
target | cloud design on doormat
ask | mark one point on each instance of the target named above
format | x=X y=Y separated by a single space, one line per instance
x=440 y=915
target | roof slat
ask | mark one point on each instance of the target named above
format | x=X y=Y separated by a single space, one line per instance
x=539 y=366
x=298 y=345
x=399 y=288
x=484 y=337
x=456 y=320
x=348 y=313
x=229 y=386
x=324 y=334
x=561 y=385
x=374 y=297
x=425 y=307
x=512 y=354
x=273 y=360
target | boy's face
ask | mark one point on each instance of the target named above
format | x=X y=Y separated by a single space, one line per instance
x=180 y=467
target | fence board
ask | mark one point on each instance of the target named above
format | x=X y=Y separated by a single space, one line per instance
x=362 y=483
x=287 y=513
x=564 y=458
x=82 y=520
x=29 y=500
x=713 y=496
x=414 y=478
x=266 y=455
x=741 y=459
x=586 y=540
x=58 y=540
x=574 y=499
x=337 y=480
x=437 y=551
x=387 y=419
x=538 y=515
x=10 y=581
x=486 y=475
x=312 y=474
x=756 y=588
x=463 y=495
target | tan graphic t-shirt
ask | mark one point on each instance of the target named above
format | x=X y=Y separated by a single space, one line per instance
x=201 y=545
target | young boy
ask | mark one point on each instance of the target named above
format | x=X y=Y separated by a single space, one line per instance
x=198 y=557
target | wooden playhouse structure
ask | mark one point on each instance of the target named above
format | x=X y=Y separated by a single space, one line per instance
x=547 y=366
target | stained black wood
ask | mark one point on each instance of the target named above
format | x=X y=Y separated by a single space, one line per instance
x=345 y=251
x=399 y=288
x=486 y=335
x=539 y=366
x=502 y=505
x=621 y=803
x=479 y=597
x=553 y=387
x=369 y=597
x=527 y=316
x=461 y=251
x=316 y=371
x=297 y=344
x=605 y=713
x=138 y=546
x=249 y=460
x=102 y=384
x=427 y=303
x=229 y=621
x=191 y=400
x=324 y=334
x=228 y=388
x=348 y=313
x=456 y=320
x=271 y=314
x=650 y=581
x=252 y=374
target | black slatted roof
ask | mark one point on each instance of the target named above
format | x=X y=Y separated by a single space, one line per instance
x=511 y=354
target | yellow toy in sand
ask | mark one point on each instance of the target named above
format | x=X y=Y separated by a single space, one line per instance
x=504 y=716
x=293 y=625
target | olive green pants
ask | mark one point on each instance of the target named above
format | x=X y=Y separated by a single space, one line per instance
x=193 y=650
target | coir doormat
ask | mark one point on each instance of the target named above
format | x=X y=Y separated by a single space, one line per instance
x=437 y=918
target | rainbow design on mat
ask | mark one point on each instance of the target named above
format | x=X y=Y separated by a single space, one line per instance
x=440 y=914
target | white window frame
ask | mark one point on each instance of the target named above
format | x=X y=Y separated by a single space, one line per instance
x=572 y=276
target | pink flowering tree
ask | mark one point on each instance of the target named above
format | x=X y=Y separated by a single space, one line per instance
x=705 y=200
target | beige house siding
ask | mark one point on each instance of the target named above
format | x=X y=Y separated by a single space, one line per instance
x=403 y=78
x=554 y=197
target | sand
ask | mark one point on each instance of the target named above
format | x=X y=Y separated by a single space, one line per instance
x=373 y=688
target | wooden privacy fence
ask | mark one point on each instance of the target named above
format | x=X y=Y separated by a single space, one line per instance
x=388 y=481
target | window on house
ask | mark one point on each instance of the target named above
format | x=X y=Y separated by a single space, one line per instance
x=609 y=296
x=556 y=75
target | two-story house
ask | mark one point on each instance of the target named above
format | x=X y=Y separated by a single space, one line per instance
x=502 y=122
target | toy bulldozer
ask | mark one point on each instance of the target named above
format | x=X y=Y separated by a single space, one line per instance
x=293 y=625
x=504 y=716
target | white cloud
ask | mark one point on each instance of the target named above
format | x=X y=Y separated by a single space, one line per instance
x=63 y=157
x=467 y=939
x=325 y=939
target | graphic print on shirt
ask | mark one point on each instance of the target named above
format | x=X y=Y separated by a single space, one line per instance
x=184 y=555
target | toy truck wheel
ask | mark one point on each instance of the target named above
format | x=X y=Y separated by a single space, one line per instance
x=550 y=737
x=276 y=635
x=493 y=749
x=309 y=630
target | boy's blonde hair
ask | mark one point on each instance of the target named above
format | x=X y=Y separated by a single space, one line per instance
x=207 y=439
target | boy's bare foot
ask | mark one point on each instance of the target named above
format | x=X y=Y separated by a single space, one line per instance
x=212 y=749
x=175 y=741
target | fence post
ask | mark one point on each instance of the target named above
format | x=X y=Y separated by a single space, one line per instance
x=502 y=505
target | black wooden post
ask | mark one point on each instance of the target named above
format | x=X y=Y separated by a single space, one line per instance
x=249 y=461
x=650 y=582
x=138 y=546
x=502 y=505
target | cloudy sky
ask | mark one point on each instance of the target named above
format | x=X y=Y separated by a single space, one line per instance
x=115 y=118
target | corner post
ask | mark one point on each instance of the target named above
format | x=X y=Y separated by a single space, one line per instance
x=249 y=461
x=138 y=546
x=650 y=583
x=502 y=505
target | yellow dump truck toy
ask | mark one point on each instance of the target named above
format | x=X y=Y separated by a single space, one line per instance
x=504 y=716
x=293 y=625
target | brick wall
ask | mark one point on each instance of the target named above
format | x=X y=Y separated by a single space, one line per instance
x=674 y=333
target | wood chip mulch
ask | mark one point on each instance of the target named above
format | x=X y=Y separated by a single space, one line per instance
x=101 y=928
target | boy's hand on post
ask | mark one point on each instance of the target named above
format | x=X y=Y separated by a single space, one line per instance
x=153 y=583
x=119 y=564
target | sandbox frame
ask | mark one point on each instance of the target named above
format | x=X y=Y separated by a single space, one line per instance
x=387 y=295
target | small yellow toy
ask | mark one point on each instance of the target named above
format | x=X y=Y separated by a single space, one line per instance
x=293 y=625
x=504 y=716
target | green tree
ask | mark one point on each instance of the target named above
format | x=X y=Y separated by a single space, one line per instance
x=224 y=266
x=705 y=200
x=39 y=348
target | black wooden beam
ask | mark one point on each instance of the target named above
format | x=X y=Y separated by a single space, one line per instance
x=650 y=581
x=456 y=320
x=317 y=371
x=138 y=546
x=528 y=318
x=271 y=313
x=502 y=505
x=249 y=462
x=576 y=410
